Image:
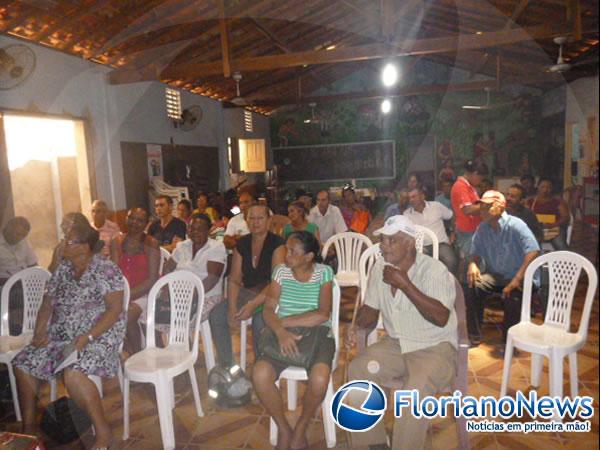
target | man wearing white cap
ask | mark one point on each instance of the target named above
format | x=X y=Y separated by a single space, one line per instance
x=414 y=294
x=507 y=246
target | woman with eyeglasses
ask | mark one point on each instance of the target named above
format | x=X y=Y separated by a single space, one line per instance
x=82 y=307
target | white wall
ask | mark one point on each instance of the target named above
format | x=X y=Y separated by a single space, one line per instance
x=582 y=103
x=64 y=84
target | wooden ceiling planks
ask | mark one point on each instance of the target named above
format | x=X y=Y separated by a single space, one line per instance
x=143 y=37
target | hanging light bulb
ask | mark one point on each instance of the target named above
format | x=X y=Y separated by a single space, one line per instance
x=386 y=106
x=389 y=75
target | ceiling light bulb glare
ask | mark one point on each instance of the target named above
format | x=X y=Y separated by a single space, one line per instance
x=386 y=106
x=389 y=75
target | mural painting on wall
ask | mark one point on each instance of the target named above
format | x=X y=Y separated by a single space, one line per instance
x=511 y=138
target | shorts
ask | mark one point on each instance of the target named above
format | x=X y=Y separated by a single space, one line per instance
x=325 y=353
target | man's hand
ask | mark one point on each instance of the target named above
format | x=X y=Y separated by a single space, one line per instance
x=395 y=277
x=80 y=342
x=473 y=275
x=245 y=312
x=514 y=284
x=287 y=342
x=40 y=339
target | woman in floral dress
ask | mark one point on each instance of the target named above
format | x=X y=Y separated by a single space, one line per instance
x=83 y=305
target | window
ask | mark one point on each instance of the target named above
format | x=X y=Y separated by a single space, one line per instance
x=248 y=121
x=173 y=102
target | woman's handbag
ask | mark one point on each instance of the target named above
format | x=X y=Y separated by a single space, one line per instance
x=63 y=421
x=312 y=337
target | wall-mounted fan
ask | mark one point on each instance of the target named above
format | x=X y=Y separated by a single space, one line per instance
x=190 y=118
x=17 y=63
x=238 y=100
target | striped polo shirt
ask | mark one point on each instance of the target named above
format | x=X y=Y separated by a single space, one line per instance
x=401 y=319
x=297 y=297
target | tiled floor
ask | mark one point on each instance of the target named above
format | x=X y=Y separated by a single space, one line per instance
x=247 y=427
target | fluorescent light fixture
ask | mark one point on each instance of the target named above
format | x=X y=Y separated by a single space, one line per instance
x=389 y=75
x=330 y=47
x=386 y=106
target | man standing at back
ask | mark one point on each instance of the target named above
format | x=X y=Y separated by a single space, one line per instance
x=167 y=230
x=108 y=230
x=327 y=217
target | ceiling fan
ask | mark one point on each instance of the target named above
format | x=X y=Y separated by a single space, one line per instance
x=238 y=100
x=561 y=65
x=312 y=118
x=487 y=106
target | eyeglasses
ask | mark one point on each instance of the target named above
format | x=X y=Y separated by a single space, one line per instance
x=74 y=242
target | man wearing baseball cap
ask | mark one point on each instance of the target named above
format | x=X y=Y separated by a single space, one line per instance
x=507 y=246
x=414 y=294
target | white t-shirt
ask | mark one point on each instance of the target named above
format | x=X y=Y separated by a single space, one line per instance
x=330 y=223
x=212 y=251
x=14 y=258
x=237 y=226
x=432 y=217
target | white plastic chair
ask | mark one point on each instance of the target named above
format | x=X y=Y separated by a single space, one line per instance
x=348 y=247
x=33 y=280
x=295 y=374
x=553 y=338
x=160 y=365
x=244 y=341
x=96 y=379
x=164 y=257
x=420 y=240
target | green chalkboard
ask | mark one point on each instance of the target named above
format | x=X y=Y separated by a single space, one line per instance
x=374 y=160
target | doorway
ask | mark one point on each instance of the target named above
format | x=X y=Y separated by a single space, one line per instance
x=47 y=162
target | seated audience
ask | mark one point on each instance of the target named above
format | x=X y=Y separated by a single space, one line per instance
x=415 y=296
x=300 y=295
x=414 y=181
x=237 y=226
x=137 y=255
x=15 y=252
x=307 y=200
x=515 y=207
x=167 y=230
x=202 y=207
x=444 y=196
x=207 y=258
x=552 y=212
x=356 y=216
x=70 y=219
x=396 y=209
x=465 y=204
x=327 y=217
x=297 y=215
x=528 y=183
x=507 y=246
x=83 y=306
x=255 y=257
x=108 y=230
x=431 y=215
x=184 y=210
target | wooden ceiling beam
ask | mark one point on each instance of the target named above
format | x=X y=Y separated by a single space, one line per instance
x=367 y=52
x=271 y=36
x=225 y=45
x=574 y=18
x=375 y=94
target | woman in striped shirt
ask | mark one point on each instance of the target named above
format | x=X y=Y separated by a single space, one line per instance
x=300 y=295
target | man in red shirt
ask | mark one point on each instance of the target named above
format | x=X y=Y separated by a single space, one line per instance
x=464 y=200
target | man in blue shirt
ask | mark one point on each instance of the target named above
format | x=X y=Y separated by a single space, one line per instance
x=507 y=246
x=396 y=209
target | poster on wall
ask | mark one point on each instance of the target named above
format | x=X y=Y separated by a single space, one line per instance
x=155 y=165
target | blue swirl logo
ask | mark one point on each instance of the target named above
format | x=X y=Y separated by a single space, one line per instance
x=370 y=412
